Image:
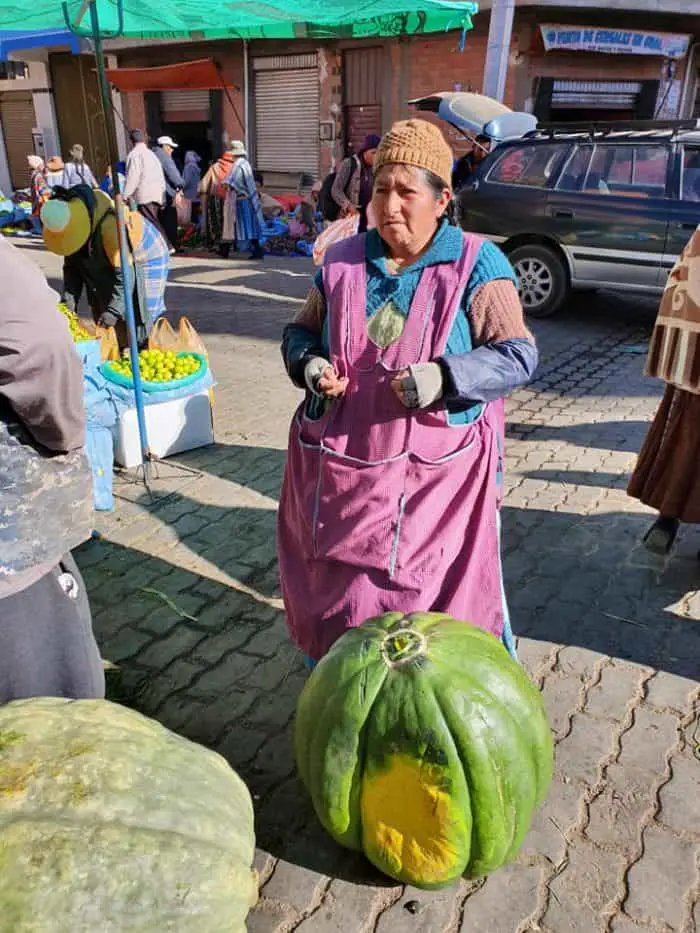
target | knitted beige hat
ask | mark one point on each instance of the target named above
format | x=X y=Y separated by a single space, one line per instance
x=419 y=143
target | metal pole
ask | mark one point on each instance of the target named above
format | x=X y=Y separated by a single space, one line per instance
x=127 y=273
x=246 y=97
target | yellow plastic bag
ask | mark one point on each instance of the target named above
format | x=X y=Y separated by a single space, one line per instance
x=163 y=337
x=189 y=340
x=109 y=344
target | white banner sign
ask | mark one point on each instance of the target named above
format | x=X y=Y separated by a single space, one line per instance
x=614 y=41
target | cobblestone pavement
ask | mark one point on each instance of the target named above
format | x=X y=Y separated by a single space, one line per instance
x=610 y=633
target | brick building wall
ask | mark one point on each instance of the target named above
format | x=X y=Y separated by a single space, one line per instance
x=229 y=55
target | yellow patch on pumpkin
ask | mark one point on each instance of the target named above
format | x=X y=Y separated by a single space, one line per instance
x=411 y=823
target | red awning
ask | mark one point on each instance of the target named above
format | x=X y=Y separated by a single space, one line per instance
x=200 y=75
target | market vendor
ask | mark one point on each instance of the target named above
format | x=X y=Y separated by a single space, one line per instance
x=407 y=344
x=47 y=647
x=80 y=225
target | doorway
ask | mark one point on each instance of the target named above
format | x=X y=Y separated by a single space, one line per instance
x=363 y=71
x=195 y=136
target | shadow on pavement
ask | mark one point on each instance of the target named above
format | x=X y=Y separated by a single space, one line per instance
x=215 y=665
x=622 y=436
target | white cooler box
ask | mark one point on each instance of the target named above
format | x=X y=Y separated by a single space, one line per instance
x=172 y=427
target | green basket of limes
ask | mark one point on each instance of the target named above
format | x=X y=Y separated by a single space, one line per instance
x=161 y=370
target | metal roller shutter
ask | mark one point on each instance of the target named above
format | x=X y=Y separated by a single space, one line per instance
x=287 y=114
x=184 y=106
x=606 y=95
x=18 y=121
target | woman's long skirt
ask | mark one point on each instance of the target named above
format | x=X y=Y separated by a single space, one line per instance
x=667 y=475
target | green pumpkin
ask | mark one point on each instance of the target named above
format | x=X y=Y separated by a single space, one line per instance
x=424 y=745
x=111 y=823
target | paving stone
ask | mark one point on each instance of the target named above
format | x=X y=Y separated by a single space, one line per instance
x=229 y=672
x=680 y=798
x=294 y=886
x=576 y=660
x=582 y=752
x=618 y=686
x=506 y=899
x=551 y=823
x=163 y=652
x=622 y=924
x=345 y=907
x=616 y=815
x=267 y=676
x=420 y=911
x=670 y=691
x=584 y=890
x=268 y=642
x=241 y=744
x=269 y=917
x=213 y=648
x=271 y=712
x=659 y=881
x=649 y=740
x=124 y=644
x=561 y=696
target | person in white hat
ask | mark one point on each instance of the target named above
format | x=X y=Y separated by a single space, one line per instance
x=249 y=217
x=174 y=183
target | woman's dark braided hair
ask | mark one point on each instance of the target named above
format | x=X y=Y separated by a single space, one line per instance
x=437 y=186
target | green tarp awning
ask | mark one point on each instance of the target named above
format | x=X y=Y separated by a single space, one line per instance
x=247 y=19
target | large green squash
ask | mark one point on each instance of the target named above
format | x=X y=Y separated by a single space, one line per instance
x=423 y=744
x=111 y=823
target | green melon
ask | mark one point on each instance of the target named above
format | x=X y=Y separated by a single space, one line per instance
x=111 y=823
x=424 y=745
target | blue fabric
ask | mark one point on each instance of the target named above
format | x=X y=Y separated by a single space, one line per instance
x=99 y=448
x=173 y=178
x=191 y=175
x=152 y=256
x=249 y=216
x=248 y=226
x=489 y=372
x=102 y=409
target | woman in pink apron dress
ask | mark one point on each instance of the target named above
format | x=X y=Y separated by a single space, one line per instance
x=409 y=341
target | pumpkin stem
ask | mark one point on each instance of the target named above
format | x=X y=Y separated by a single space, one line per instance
x=403 y=646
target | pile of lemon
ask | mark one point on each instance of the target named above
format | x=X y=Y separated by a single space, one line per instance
x=78 y=332
x=159 y=365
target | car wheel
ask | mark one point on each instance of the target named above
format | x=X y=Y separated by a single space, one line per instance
x=542 y=279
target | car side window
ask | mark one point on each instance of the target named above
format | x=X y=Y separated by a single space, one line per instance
x=628 y=171
x=530 y=166
x=690 y=186
x=576 y=169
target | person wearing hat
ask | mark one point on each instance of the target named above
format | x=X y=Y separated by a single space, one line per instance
x=77 y=171
x=174 y=183
x=145 y=181
x=408 y=342
x=47 y=646
x=352 y=187
x=39 y=187
x=54 y=171
x=80 y=224
x=249 y=216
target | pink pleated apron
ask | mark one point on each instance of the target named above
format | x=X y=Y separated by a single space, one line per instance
x=384 y=508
